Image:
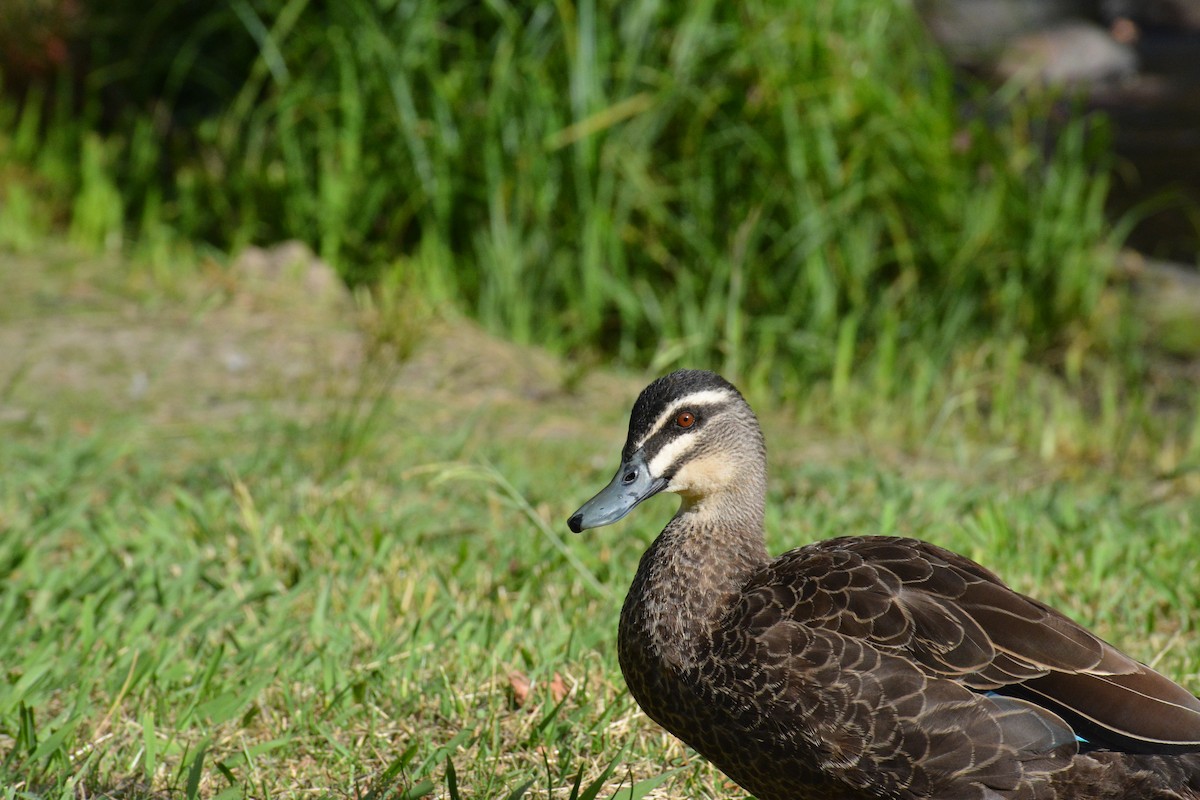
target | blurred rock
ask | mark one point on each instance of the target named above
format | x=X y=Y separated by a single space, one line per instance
x=1071 y=53
x=1047 y=41
x=288 y=274
x=975 y=32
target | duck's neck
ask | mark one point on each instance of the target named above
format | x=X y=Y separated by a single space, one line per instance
x=691 y=574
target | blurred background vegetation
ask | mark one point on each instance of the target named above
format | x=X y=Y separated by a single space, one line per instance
x=780 y=190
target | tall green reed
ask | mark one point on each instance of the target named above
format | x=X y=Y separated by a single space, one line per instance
x=775 y=189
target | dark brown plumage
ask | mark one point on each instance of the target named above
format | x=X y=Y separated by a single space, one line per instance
x=863 y=667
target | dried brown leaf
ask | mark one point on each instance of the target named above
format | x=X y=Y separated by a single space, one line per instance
x=519 y=683
x=558 y=688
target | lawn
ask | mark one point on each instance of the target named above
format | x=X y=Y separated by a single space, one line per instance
x=251 y=548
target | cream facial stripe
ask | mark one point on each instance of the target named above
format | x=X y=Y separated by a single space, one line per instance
x=669 y=454
x=706 y=397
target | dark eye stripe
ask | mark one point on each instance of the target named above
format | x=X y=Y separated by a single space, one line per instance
x=669 y=431
x=656 y=405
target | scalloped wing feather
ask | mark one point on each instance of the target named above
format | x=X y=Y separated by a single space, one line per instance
x=952 y=618
x=877 y=719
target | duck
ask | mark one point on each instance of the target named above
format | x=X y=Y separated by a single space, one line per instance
x=862 y=666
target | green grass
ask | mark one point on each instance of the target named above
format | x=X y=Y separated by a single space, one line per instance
x=325 y=590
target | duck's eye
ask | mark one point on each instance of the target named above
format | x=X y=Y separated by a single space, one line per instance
x=686 y=419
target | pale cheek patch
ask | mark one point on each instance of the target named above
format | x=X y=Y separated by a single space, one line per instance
x=702 y=398
x=704 y=476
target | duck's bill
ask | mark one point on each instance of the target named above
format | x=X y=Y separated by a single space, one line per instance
x=631 y=485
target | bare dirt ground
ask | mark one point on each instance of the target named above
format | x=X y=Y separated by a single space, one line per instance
x=82 y=340
x=88 y=342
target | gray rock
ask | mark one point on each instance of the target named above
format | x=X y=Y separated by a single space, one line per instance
x=287 y=274
x=1071 y=53
x=975 y=32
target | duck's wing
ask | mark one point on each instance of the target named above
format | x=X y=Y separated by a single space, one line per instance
x=954 y=619
x=866 y=716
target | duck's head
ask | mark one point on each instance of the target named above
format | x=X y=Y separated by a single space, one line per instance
x=691 y=433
